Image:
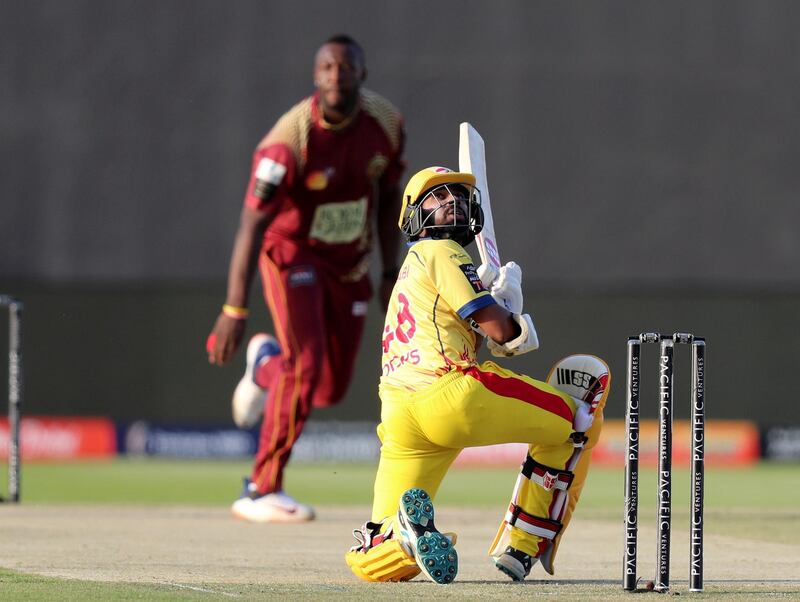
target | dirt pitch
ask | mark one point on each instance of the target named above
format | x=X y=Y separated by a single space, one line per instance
x=205 y=550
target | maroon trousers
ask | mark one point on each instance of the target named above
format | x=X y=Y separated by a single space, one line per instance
x=319 y=321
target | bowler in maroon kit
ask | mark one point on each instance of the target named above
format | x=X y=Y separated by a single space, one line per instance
x=321 y=176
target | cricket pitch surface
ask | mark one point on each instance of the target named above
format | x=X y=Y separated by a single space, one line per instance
x=205 y=549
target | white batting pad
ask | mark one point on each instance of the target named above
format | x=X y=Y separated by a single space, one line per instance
x=584 y=377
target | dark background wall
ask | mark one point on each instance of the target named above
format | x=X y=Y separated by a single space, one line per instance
x=642 y=158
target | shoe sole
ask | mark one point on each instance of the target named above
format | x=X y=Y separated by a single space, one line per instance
x=275 y=517
x=434 y=553
x=499 y=563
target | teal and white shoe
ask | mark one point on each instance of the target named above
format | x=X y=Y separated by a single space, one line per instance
x=432 y=550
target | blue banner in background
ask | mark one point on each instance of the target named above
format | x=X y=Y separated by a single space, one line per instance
x=781 y=443
x=329 y=441
x=183 y=441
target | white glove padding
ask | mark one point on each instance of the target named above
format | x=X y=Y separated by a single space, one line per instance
x=488 y=274
x=507 y=288
x=526 y=341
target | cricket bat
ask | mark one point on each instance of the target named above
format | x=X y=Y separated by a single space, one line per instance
x=472 y=159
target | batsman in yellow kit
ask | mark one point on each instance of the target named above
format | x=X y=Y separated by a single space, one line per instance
x=436 y=399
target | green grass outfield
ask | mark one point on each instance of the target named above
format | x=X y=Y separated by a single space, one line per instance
x=729 y=493
x=765 y=494
x=204 y=482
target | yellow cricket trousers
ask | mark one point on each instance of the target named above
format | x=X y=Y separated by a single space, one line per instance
x=423 y=432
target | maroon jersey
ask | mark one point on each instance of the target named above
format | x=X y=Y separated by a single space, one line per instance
x=322 y=179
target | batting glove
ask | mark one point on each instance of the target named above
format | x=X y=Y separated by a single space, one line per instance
x=526 y=341
x=507 y=288
x=488 y=274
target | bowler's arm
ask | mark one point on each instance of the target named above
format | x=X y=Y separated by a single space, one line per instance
x=228 y=331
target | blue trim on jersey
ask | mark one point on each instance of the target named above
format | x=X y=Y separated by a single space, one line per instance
x=470 y=308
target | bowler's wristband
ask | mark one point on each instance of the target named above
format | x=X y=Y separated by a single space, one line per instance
x=237 y=313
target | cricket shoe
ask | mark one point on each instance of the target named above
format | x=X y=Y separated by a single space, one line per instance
x=515 y=563
x=433 y=551
x=248 y=397
x=276 y=507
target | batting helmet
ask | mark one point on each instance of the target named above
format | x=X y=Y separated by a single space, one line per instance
x=413 y=217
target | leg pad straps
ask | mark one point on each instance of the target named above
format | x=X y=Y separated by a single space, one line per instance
x=535 y=525
x=546 y=477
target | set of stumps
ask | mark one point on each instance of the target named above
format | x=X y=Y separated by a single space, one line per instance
x=666 y=344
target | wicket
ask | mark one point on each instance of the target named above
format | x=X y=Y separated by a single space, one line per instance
x=15 y=308
x=664 y=511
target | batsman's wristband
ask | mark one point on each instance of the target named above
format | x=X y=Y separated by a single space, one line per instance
x=237 y=313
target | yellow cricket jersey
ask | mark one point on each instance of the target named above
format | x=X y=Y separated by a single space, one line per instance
x=426 y=333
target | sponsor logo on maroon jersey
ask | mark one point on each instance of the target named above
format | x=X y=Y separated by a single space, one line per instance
x=302 y=276
x=319 y=179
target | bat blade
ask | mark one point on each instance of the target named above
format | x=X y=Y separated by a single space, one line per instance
x=472 y=159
